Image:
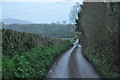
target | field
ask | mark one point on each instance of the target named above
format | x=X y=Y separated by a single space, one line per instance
x=49 y=30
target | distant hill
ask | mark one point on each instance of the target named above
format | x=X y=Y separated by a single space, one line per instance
x=14 y=21
x=50 y=30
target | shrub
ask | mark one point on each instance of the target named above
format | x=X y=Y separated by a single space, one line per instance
x=29 y=55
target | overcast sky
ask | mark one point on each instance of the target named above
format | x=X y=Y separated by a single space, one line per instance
x=38 y=12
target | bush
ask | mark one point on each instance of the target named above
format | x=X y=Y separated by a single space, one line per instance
x=8 y=68
x=33 y=63
x=19 y=42
x=29 y=55
x=99 y=24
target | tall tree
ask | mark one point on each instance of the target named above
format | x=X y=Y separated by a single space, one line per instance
x=74 y=11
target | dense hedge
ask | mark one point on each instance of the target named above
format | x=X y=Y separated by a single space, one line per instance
x=18 y=42
x=98 y=27
x=29 y=60
x=33 y=63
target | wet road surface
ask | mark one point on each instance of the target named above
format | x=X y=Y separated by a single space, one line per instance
x=72 y=64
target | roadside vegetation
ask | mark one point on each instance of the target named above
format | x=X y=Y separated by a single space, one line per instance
x=29 y=55
x=0 y=53
x=97 y=27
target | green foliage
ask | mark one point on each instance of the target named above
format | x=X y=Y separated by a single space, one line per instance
x=33 y=63
x=8 y=68
x=19 y=42
x=29 y=55
x=98 y=33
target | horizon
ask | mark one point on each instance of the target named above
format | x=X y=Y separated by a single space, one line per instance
x=37 y=12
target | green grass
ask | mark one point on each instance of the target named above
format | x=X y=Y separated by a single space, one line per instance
x=33 y=63
x=72 y=41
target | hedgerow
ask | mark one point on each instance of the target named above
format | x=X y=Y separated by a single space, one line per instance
x=33 y=61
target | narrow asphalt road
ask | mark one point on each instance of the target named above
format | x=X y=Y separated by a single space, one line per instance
x=72 y=64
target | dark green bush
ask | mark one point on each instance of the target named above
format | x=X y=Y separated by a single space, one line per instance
x=19 y=42
x=29 y=55
x=8 y=68
x=99 y=24
x=33 y=63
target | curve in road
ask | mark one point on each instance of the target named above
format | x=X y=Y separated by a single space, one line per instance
x=72 y=64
